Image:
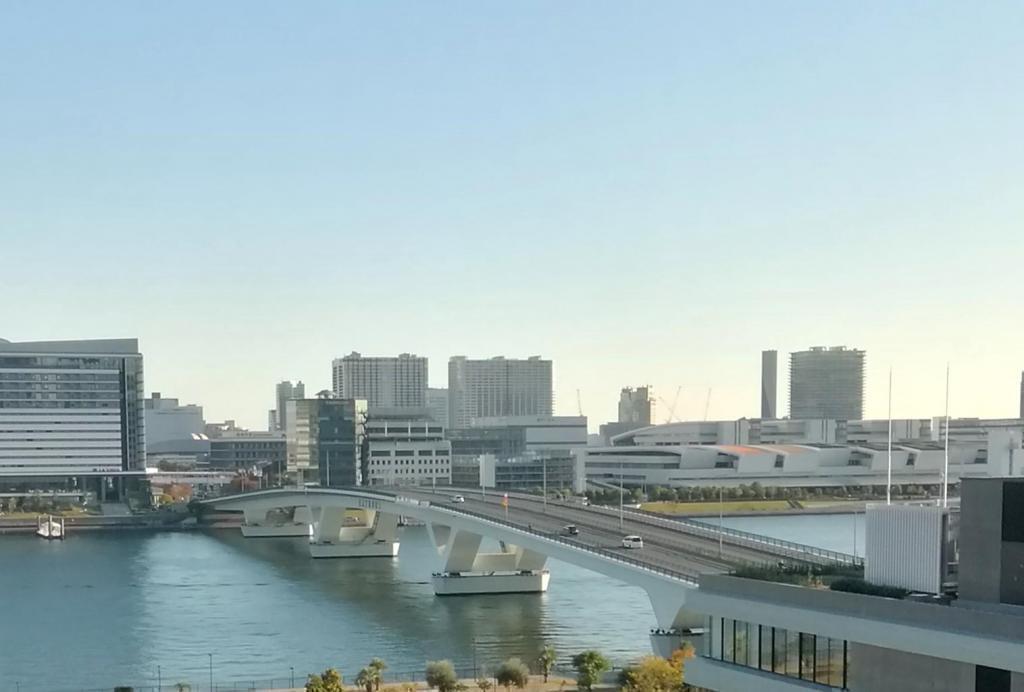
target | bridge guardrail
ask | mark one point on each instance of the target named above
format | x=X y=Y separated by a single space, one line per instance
x=732 y=536
x=678 y=574
x=745 y=538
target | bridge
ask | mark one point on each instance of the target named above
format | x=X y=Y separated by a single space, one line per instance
x=363 y=522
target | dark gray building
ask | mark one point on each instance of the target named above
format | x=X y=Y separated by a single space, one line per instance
x=245 y=449
x=826 y=383
x=769 y=384
x=340 y=441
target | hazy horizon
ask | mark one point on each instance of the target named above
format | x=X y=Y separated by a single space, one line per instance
x=644 y=195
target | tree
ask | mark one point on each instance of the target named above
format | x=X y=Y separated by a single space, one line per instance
x=182 y=687
x=653 y=674
x=484 y=684
x=366 y=678
x=378 y=666
x=441 y=674
x=679 y=656
x=546 y=661
x=590 y=665
x=512 y=672
x=328 y=681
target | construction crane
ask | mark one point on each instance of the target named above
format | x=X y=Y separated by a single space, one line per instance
x=707 y=404
x=579 y=403
x=672 y=407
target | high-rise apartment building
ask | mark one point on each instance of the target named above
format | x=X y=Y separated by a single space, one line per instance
x=285 y=392
x=498 y=387
x=635 y=406
x=769 y=383
x=437 y=405
x=71 y=408
x=826 y=383
x=383 y=382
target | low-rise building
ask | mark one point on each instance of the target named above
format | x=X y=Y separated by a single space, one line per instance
x=407 y=447
x=797 y=465
x=526 y=441
x=764 y=635
x=244 y=449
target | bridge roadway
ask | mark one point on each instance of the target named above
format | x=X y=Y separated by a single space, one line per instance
x=667 y=544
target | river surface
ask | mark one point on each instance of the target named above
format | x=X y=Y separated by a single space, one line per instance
x=101 y=609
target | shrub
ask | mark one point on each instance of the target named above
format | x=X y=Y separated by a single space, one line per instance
x=441 y=675
x=853 y=585
x=512 y=672
x=589 y=665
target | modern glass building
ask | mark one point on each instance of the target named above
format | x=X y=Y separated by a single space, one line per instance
x=71 y=408
x=826 y=383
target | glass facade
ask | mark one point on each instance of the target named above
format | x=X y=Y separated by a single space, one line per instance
x=808 y=657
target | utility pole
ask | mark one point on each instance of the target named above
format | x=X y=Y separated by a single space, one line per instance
x=211 y=671
x=721 y=512
x=621 y=490
x=544 y=475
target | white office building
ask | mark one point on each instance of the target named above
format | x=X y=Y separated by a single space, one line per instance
x=498 y=387
x=71 y=408
x=407 y=448
x=387 y=382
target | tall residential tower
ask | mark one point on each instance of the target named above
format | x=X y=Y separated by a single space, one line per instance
x=498 y=387
x=388 y=382
x=635 y=406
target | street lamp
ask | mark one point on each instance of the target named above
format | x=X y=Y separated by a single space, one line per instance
x=211 y=671
x=159 y=679
x=292 y=678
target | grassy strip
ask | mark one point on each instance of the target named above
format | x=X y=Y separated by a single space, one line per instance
x=714 y=507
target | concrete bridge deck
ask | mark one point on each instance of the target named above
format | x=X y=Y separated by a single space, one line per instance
x=686 y=547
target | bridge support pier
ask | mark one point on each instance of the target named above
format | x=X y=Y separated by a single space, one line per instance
x=277 y=522
x=513 y=569
x=341 y=532
x=676 y=625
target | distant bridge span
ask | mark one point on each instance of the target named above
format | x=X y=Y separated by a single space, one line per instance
x=457 y=533
x=354 y=522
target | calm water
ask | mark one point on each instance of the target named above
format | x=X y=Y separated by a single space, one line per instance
x=108 y=608
x=830 y=531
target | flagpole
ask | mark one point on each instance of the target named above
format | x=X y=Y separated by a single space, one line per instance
x=888 y=479
x=945 y=466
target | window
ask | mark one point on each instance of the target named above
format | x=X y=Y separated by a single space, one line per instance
x=784 y=652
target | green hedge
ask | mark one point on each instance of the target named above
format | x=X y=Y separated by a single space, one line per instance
x=864 y=587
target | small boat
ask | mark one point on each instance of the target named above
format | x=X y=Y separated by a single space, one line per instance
x=49 y=528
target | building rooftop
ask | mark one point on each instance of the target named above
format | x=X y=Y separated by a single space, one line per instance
x=81 y=346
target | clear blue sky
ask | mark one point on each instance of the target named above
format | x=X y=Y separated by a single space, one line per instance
x=644 y=192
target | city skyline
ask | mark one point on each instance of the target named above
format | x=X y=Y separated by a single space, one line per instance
x=649 y=196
